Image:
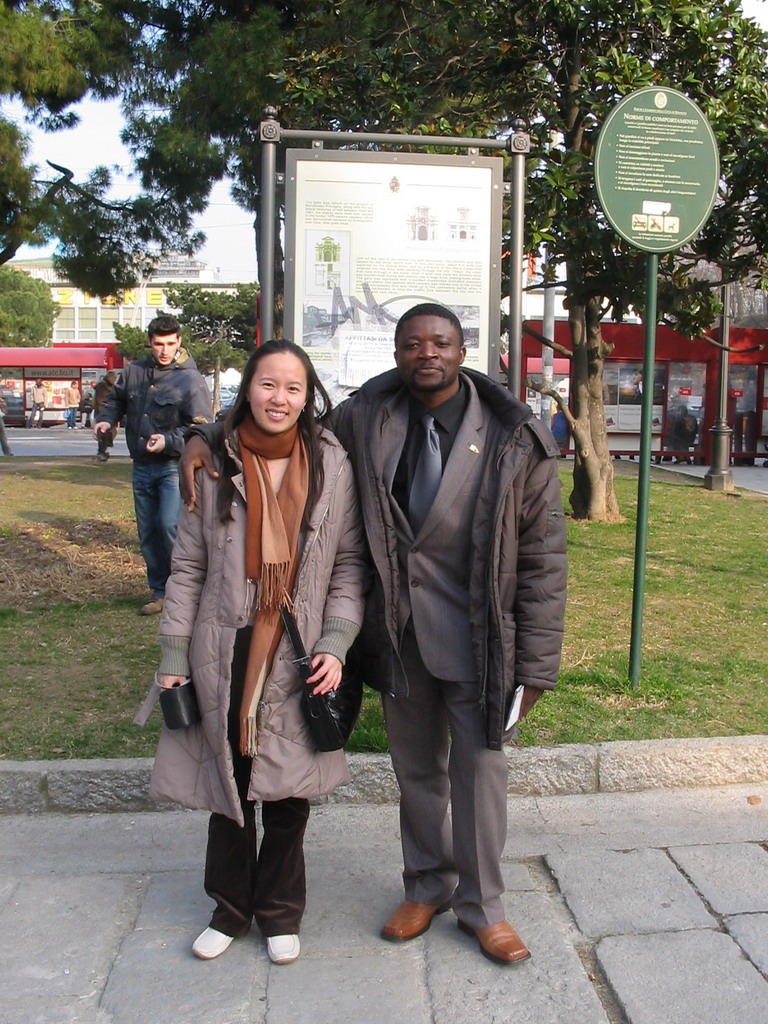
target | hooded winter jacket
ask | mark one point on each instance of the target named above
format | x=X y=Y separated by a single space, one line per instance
x=208 y=599
x=153 y=399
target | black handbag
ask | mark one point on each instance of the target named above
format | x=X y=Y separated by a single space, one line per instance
x=331 y=716
x=179 y=705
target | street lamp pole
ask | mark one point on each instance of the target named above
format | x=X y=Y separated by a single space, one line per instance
x=719 y=476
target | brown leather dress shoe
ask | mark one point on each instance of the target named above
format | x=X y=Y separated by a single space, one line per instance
x=499 y=942
x=411 y=920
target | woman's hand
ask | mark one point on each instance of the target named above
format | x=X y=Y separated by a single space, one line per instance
x=166 y=682
x=327 y=673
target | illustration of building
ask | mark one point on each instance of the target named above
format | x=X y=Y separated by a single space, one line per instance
x=422 y=225
x=327 y=258
x=462 y=229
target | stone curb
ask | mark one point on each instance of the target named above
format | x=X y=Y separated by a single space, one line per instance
x=85 y=786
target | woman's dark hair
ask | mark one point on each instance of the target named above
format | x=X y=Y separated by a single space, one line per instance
x=317 y=406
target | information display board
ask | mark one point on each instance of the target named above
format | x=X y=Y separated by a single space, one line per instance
x=370 y=234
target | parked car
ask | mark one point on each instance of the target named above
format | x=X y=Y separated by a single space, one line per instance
x=14 y=401
x=224 y=410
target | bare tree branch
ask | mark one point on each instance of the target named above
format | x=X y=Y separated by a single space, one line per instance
x=527 y=329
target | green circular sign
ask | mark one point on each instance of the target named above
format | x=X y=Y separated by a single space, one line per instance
x=657 y=169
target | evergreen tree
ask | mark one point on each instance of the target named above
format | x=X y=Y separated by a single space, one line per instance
x=27 y=312
x=220 y=326
x=195 y=78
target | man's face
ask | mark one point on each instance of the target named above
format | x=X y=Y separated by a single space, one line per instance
x=164 y=347
x=428 y=355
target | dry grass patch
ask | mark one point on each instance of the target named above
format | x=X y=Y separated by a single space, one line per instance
x=68 y=533
x=82 y=562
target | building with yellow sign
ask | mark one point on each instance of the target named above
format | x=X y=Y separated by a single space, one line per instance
x=85 y=319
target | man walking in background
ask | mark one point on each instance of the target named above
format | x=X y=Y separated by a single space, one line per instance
x=72 y=397
x=157 y=398
x=106 y=438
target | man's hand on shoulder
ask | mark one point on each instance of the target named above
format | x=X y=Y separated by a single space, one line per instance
x=196 y=454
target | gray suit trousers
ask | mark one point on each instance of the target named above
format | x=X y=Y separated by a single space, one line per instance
x=437 y=744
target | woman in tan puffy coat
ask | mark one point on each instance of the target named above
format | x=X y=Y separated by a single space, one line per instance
x=280 y=526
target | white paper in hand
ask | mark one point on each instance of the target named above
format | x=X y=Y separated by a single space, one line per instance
x=514 y=712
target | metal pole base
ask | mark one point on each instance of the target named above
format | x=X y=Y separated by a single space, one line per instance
x=719 y=476
x=718 y=480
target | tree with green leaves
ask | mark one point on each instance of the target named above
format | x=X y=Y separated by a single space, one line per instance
x=27 y=311
x=54 y=54
x=561 y=66
x=132 y=341
x=579 y=61
x=201 y=74
x=220 y=327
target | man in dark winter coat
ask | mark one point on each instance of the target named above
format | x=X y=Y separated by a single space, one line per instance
x=105 y=438
x=157 y=398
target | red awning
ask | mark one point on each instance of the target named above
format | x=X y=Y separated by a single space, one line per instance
x=67 y=355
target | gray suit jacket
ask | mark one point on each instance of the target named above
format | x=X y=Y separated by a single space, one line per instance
x=434 y=564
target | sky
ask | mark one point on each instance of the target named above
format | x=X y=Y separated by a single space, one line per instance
x=230 y=245
x=757 y=9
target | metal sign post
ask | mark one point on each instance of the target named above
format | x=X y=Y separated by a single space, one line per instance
x=519 y=147
x=656 y=172
x=270 y=138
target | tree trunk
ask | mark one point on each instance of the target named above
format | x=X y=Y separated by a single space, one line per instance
x=278 y=270
x=216 y=384
x=593 y=496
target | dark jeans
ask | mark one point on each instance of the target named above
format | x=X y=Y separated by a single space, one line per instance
x=157 y=501
x=36 y=414
x=266 y=882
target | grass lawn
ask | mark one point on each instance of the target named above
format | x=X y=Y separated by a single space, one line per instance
x=78 y=659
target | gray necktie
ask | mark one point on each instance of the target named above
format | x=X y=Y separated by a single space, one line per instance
x=426 y=476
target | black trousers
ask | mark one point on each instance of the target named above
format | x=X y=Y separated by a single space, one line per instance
x=266 y=881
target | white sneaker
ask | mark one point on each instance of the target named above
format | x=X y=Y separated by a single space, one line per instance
x=210 y=944
x=283 y=949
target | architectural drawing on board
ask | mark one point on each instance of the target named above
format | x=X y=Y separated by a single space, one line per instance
x=422 y=225
x=462 y=229
x=327 y=264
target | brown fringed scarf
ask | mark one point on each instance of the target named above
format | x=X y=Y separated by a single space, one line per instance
x=271 y=547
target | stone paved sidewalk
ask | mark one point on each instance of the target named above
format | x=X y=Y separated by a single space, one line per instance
x=639 y=908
